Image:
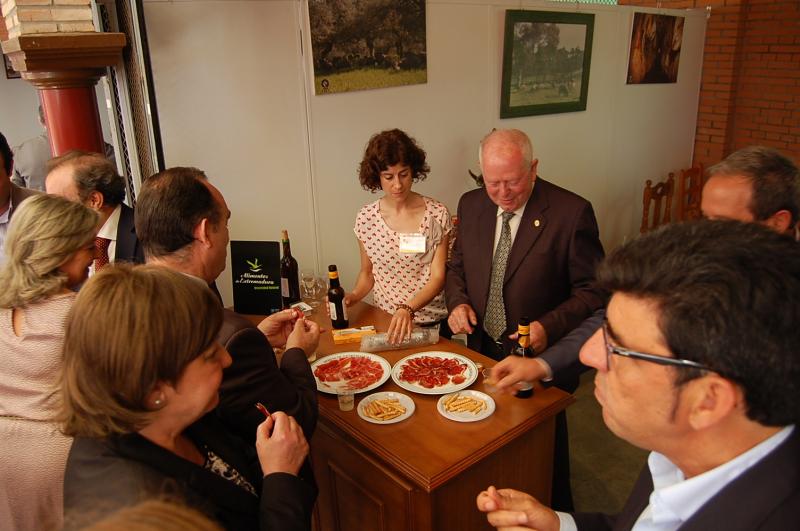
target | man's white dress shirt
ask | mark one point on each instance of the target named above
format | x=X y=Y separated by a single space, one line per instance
x=109 y=232
x=675 y=499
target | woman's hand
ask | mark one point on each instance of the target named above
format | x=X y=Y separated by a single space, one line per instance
x=349 y=300
x=400 y=326
x=282 y=450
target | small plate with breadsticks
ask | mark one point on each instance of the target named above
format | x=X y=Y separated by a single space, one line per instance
x=466 y=406
x=386 y=408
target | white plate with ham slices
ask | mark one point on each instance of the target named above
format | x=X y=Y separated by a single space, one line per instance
x=434 y=373
x=354 y=371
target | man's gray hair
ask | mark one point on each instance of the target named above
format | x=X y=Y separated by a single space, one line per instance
x=514 y=137
x=92 y=172
x=775 y=180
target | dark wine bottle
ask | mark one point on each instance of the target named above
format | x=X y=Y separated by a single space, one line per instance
x=523 y=349
x=336 y=300
x=290 y=284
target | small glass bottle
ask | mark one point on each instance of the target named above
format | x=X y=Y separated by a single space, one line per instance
x=523 y=349
x=290 y=285
x=336 y=300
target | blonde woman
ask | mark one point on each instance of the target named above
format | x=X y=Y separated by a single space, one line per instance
x=156 y=515
x=49 y=247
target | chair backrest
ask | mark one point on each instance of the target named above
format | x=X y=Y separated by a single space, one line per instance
x=453 y=235
x=660 y=197
x=690 y=186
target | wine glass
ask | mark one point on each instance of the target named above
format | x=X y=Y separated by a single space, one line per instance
x=308 y=287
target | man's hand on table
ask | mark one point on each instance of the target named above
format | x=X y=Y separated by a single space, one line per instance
x=509 y=510
x=513 y=369
x=278 y=326
x=462 y=319
x=305 y=336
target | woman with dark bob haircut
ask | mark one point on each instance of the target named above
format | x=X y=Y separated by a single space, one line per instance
x=139 y=385
x=403 y=237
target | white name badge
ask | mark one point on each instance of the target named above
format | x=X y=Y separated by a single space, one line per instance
x=412 y=243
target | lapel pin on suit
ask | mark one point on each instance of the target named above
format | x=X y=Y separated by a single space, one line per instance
x=536 y=223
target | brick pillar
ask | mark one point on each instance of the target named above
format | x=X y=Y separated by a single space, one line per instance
x=719 y=83
x=33 y=17
x=52 y=43
x=767 y=102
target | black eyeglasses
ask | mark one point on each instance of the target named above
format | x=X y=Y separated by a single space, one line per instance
x=653 y=358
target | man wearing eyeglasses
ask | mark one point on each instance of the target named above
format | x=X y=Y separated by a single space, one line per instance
x=697 y=361
x=754 y=184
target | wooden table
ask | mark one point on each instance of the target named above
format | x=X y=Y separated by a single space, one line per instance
x=424 y=473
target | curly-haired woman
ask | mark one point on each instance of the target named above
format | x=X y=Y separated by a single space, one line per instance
x=403 y=236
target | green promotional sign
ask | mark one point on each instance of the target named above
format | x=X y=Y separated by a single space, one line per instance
x=256 y=277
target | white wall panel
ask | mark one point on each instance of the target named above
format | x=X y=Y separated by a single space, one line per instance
x=284 y=157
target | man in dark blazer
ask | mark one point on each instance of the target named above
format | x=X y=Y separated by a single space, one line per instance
x=553 y=246
x=755 y=184
x=11 y=195
x=697 y=361
x=182 y=222
x=91 y=179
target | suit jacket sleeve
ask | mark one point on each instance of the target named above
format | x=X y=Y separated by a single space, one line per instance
x=254 y=376
x=585 y=252
x=455 y=287
x=564 y=354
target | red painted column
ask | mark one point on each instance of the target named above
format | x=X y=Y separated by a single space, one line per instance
x=73 y=121
x=65 y=68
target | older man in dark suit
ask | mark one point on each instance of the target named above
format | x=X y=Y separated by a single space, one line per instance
x=525 y=248
x=755 y=184
x=11 y=195
x=91 y=179
x=697 y=361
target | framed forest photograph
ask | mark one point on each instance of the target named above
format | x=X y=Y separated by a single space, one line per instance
x=367 y=44
x=546 y=59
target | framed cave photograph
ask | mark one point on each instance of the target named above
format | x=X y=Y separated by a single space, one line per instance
x=546 y=59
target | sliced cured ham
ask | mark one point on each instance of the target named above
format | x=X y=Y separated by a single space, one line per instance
x=356 y=372
x=430 y=372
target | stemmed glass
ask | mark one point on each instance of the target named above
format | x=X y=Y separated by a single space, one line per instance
x=309 y=287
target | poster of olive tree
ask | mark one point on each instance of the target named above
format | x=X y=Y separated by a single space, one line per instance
x=367 y=44
x=546 y=58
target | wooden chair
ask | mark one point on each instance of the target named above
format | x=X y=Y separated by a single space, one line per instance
x=659 y=196
x=690 y=186
x=453 y=235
